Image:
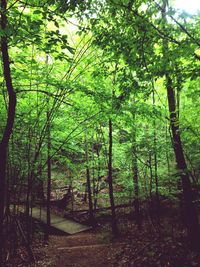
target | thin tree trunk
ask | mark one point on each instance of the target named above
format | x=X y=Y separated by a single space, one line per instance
x=91 y=214
x=168 y=163
x=135 y=175
x=29 y=188
x=156 y=162
x=48 y=176
x=9 y=123
x=136 y=189
x=98 y=181
x=8 y=185
x=3 y=156
x=94 y=181
x=110 y=182
x=151 y=175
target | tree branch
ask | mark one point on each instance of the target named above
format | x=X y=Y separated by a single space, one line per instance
x=47 y=93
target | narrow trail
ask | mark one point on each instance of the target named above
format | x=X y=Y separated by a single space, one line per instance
x=82 y=250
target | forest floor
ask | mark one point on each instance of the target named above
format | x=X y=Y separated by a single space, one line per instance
x=81 y=250
x=154 y=245
x=132 y=248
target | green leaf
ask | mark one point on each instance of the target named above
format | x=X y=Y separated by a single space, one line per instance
x=37 y=11
x=56 y=23
x=71 y=49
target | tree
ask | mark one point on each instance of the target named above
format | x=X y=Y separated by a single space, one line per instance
x=190 y=213
x=10 y=120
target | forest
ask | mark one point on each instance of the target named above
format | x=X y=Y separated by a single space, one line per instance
x=99 y=134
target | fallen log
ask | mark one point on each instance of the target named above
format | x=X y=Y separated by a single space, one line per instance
x=106 y=208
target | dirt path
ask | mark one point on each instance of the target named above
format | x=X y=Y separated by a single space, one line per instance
x=82 y=250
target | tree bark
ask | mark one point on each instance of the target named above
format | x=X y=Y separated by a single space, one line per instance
x=135 y=175
x=91 y=214
x=48 y=175
x=110 y=182
x=10 y=121
x=156 y=162
x=190 y=214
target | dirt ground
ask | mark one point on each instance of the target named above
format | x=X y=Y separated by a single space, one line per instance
x=154 y=245
x=81 y=250
x=146 y=248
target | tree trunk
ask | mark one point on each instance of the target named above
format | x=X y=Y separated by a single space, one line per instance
x=151 y=175
x=48 y=175
x=29 y=189
x=190 y=214
x=3 y=156
x=136 y=189
x=9 y=123
x=135 y=175
x=110 y=182
x=156 y=162
x=91 y=214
